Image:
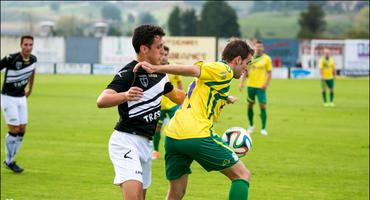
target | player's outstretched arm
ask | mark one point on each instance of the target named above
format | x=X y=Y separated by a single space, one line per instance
x=177 y=69
x=109 y=98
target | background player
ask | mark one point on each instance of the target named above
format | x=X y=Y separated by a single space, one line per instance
x=327 y=71
x=20 y=70
x=189 y=133
x=138 y=97
x=259 y=77
x=168 y=108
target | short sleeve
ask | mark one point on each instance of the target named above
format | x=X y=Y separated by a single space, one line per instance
x=122 y=81
x=268 y=64
x=5 y=62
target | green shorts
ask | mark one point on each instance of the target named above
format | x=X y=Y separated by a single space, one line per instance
x=328 y=82
x=253 y=92
x=210 y=152
x=168 y=113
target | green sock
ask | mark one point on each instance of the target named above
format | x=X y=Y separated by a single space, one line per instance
x=331 y=97
x=156 y=139
x=324 y=96
x=263 y=118
x=250 y=116
x=239 y=190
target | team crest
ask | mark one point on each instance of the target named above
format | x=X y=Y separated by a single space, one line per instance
x=18 y=65
x=144 y=80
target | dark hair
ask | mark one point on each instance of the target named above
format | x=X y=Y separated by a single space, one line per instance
x=166 y=48
x=26 y=37
x=144 y=35
x=236 y=48
x=258 y=42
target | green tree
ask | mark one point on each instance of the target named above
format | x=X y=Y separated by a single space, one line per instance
x=147 y=18
x=69 y=26
x=189 y=23
x=218 y=19
x=360 y=27
x=111 y=12
x=174 y=22
x=312 y=22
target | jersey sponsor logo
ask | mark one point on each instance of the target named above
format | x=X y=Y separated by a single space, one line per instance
x=144 y=80
x=126 y=155
x=138 y=172
x=18 y=65
x=153 y=75
x=152 y=116
x=21 y=83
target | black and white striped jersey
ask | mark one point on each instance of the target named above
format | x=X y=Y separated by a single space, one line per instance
x=140 y=117
x=17 y=73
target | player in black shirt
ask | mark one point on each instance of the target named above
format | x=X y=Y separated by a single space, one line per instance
x=138 y=97
x=19 y=71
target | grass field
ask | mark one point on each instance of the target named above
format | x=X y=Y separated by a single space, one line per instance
x=311 y=152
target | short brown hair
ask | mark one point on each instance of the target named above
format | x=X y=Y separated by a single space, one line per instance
x=236 y=48
x=26 y=37
x=144 y=35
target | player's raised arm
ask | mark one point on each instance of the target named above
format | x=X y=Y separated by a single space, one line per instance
x=177 y=69
x=109 y=97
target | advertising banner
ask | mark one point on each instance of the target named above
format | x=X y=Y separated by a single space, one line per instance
x=49 y=49
x=116 y=50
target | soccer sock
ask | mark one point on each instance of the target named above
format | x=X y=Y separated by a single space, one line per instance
x=250 y=116
x=18 y=143
x=331 y=97
x=10 y=139
x=239 y=190
x=156 y=139
x=263 y=117
x=324 y=96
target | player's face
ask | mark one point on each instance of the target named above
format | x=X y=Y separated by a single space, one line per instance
x=156 y=51
x=258 y=48
x=26 y=46
x=241 y=66
x=165 y=58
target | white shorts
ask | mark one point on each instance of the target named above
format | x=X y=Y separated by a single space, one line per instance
x=14 y=109
x=131 y=156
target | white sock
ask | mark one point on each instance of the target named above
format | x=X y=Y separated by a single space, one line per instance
x=18 y=143
x=10 y=147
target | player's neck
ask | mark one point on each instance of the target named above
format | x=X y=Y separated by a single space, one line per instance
x=25 y=56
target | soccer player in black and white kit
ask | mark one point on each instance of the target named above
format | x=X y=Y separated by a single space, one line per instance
x=138 y=97
x=19 y=71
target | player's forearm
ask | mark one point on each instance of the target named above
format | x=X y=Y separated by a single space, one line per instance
x=109 y=100
x=177 y=96
x=30 y=85
x=268 y=79
x=184 y=70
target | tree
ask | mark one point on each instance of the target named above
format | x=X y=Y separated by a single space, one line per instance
x=147 y=18
x=111 y=12
x=69 y=26
x=174 y=22
x=189 y=23
x=360 y=28
x=218 y=19
x=312 y=22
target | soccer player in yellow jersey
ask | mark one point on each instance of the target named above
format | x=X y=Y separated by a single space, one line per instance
x=327 y=71
x=168 y=108
x=190 y=135
x=259 y=77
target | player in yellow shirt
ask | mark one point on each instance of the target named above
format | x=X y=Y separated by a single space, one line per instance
x=189 y=134
x=327 y=71
x=168 y=108
x=259 y=77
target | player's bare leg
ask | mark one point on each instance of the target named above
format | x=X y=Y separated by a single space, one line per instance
x=239 y=175
x=132 y=189
x=178 y=188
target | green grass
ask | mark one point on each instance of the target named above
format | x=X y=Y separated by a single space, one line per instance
x=311 y=152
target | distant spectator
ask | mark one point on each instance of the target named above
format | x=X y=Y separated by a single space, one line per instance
x=277 y=62
x=298 y=64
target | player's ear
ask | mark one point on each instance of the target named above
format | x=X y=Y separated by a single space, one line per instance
x=143 y=49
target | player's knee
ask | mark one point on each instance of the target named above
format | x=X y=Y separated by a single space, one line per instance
x=244 y=174
x=14 y=129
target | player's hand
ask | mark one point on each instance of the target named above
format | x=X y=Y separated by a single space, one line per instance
x=264 y=87
x=241 y=87
x=231 y=99
x=146 y=66
x=134 y=94
x=28 y=93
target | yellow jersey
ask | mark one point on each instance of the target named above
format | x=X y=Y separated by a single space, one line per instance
x=205 y=98
x=327 y=67
x=257 y=70
x=166 y=103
